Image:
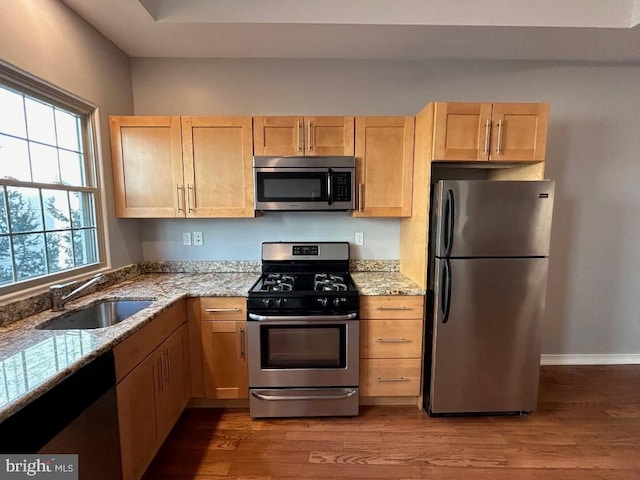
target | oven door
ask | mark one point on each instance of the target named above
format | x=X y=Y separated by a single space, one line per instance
x=301 y=351
x=303 y=189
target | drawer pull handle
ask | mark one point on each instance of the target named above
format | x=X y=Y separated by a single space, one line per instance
x=394 y=308
x=218 y=310
x=392 y=340
x=392 y=379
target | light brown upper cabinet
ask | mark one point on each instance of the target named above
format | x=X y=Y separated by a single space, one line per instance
x=218 y=169
x=312 y=136
x=147 y=166
x=511 y=132
x=384 y=166
x=169 y=166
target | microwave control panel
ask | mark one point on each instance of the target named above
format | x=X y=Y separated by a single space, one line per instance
x=342 y=187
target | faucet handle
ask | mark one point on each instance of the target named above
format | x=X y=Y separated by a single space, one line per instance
x=59 y=286
x=101 y=277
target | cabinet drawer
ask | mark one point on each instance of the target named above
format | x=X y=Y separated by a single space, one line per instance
x=390 y=338
x=390 y=378
x=401 y=306
x=223 y=308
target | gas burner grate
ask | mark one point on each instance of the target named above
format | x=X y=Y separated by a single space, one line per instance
x=329 y=282
x=278 y=282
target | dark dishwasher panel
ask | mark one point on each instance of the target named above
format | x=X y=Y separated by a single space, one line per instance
x=78 y=416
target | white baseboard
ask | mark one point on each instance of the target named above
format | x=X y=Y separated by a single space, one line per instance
x=596 y=359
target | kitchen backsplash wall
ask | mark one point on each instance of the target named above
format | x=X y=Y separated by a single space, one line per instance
x=240 y=239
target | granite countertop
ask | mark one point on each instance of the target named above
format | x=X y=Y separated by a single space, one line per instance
x=33 y=361
x=385 y=283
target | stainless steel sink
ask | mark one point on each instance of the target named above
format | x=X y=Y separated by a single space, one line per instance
x=99 y=315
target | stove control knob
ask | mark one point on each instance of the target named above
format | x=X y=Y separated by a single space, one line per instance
x=323 y=301
x=266 y=302
x=336 y=302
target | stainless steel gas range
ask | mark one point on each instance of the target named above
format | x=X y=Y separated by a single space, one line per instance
x=303 y=332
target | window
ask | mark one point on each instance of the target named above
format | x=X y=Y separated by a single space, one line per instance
x=48 y=220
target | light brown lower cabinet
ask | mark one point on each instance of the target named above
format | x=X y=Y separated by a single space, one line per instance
x=391 y=331
x=153 y=392
x=224 y=347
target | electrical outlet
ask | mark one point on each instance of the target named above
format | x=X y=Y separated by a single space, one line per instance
x=186 y=238
x=197 y=238
x=359 y=238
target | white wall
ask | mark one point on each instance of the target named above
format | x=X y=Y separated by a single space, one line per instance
x=48 y=40
x=594 y=140
x=240 y=239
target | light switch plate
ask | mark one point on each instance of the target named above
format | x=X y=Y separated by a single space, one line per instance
x=186 y=238
x=197 y=238
x=359 y=240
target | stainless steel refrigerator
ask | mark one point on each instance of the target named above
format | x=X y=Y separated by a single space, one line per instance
x=489 y=253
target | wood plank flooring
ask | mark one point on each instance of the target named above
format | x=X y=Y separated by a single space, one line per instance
x=587 y=427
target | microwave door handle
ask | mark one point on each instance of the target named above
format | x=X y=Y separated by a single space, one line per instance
x=329 y=190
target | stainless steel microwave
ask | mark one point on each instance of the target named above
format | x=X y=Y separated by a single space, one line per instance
x=304 y=183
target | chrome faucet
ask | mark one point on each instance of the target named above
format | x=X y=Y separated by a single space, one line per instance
x=58 y=299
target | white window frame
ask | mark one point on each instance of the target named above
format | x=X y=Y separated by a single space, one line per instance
x=31 y=86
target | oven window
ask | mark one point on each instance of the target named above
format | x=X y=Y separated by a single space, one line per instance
x=292 y=187
x=313 y=346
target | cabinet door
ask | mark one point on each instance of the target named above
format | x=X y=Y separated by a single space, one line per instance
x=175 y=391
x=218 y=166
x=313 y=136
x=462 y=131
x=519 y=132
x=384 y=166
x=329 y=135
x=147 y=166
x=225 y=359
x=137 y=417
x=278 y=136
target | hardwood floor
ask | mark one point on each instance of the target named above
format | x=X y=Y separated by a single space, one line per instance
x=587 y=426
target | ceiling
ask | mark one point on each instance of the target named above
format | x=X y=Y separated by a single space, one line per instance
x=563 y=30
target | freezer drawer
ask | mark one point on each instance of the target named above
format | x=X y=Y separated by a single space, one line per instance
x=483 y=218
x=486 y=334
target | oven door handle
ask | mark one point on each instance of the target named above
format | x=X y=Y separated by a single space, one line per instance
x=297 y=318
x=278 y=398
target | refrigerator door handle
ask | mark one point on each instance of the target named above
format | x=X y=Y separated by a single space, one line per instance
x=445 y=293
x=448 y=223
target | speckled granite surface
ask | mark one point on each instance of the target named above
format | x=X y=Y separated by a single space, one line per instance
x=235 y=266
x=32 y=361
x=385 y=283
